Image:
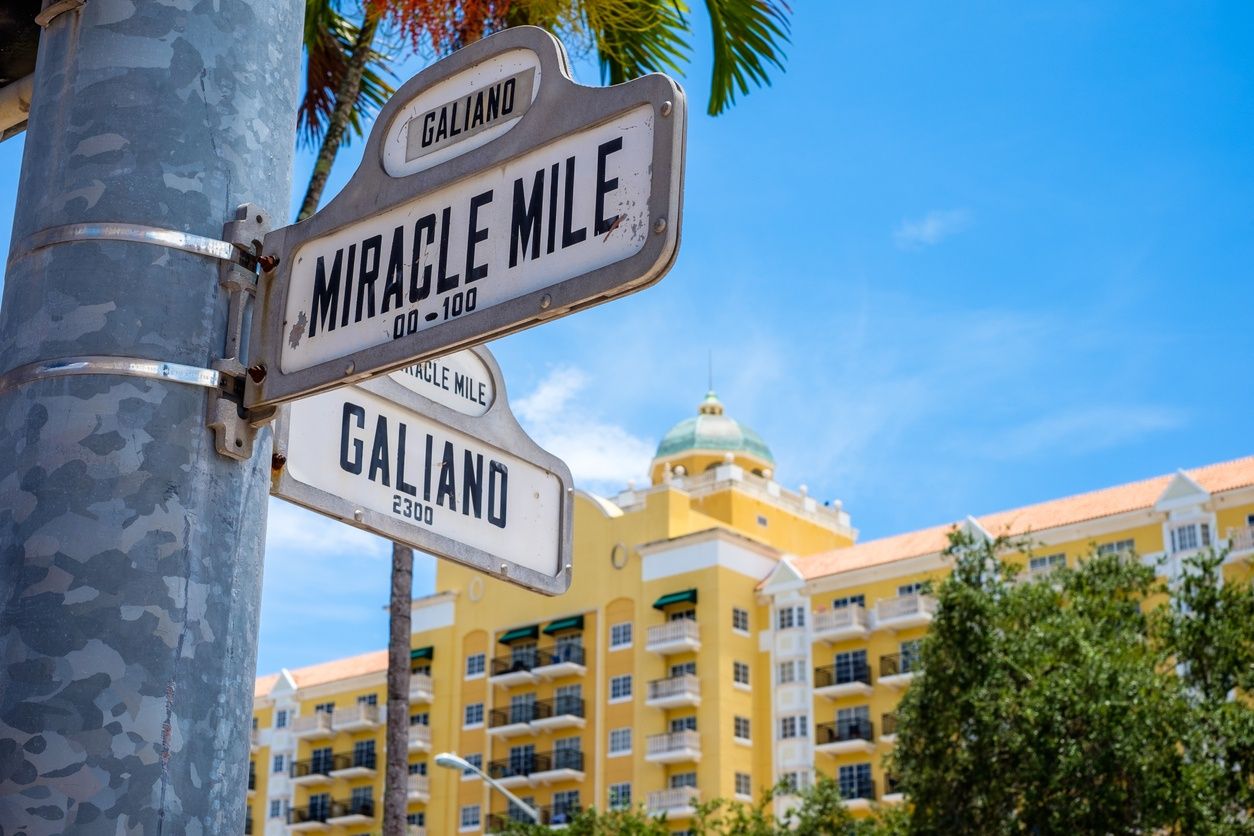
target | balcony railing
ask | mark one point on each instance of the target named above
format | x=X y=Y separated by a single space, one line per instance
x=679 y=741
x=846 y=732
x=514 y=663
x=311 y=813
x=252 y=779
x=420 y=687
x=517 y=767
x=896 y=664
x=248 y=826
x=852 y=617
x=352 y=807
x=314 y=766
x=353 y=760
x=361 y=715
x=550 y=816
x=419 y=736
x=888 y=724
x=674 y=687
x=905 y=608
x=559 y=655
x=419 y=785
x=558 y=707
x=830 y=675
x=1241 y=539
x=524 y=766
x=664 y=801
x=317 y=723
x=515 y=714
x=682 y=631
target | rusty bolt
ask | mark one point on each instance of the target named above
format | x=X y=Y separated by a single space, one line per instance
x=257 y=373
x=268 y=262
x=277 y=461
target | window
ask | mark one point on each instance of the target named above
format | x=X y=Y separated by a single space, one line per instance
x=910 y=656
x=565 y=807
x=470 y=817
x=855 y=781
x=792 y=782
x=790 y=671
x=276 y=808
x=320 y=806
x=522 y=656
x=740 y=620
x=794 y=725
x=475 y=664
x=683 y=779
x=620 y=796
x=762 y=520
x=620 y=635
x=853 y=723
x=418 y=819
x=522 y=759
x=849 y=601
x=279 y=763
x=740 y=673
x=324 y=708
x=679 y=724
x=682 y=615
x=363 y=753
x=620 y=741
x=280 y=719
x=522 y=708
x=474 y=714
x=368 y=699
x=475 y=760
x=620 y=688
x=1189 y=537
x=421 y=718
x=791 y=617
x=1046 y=563
x=744 y=784
x=419 y=768
x=741 y=728
x=568 y=699
x=1116 y=547
x=910 y=588
x=852 y=667
x=361 y=799
x=320 y=760
x=684 y=669
x=419 y=667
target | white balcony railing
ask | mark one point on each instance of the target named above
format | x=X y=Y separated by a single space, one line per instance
x=665 y=801
x=419 y=736
x=359 y=716
x=685 y=686
x=685 y=631
x=841 y=622
x=905 y=608
x=1241 y=539
x=318 y=723
x=419 y=786
x=672 y=743
x=419 y=687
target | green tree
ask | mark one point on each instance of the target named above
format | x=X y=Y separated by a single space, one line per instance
x=345 y=69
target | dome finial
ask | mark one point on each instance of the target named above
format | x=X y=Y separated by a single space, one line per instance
x=711 y=405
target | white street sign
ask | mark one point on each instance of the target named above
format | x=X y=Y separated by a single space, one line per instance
x=451 y=473
x=495 y=193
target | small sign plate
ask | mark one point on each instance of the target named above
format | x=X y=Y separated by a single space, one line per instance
x=494 y=193
x=432 y=457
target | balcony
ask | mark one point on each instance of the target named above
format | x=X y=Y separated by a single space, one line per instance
x=559 y=713
x=682 y=636
x=552 y=817
x=554 y=767
x=254 y=739
x=420 y=688
x=419 y=738
x=360 y=717
x=356 y=765
x=311 y=772
x=842 y=738
x=904 y=612
x=511 y=772
x=897 y=669
x=313 y=817
x=312 y=727
x=252 y=780
x=673 y=747
x=841 y=624
x=419 y=788
x=674 y=692
x=512 y=721
x=515 y=669
x=1241 y=540
x=888 y=728
x=678 y=803
x=836 y=681
x=355 y=811
x=248 y=826
x=892 y=792
x=859 y=796
x=559 y=661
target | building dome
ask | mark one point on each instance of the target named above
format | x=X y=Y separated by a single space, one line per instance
x=706 y=439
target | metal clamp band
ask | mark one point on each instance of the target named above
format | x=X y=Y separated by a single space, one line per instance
x=99 y=364
x=139 y=234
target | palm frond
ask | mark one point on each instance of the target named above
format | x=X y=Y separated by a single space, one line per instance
x=329 y=37
x=634 y=37
x=747 y=36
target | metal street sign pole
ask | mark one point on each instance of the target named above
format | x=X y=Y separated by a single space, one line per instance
x=130 y=550
x=494 y=193
x=431 y=456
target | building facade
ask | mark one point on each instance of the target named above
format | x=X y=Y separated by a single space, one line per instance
x=722 y=633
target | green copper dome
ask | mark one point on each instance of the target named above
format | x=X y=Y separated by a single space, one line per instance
x=712 y=431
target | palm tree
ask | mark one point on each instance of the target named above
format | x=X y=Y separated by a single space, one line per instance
x=345 y=77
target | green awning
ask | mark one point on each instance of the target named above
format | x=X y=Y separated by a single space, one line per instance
x=532 y=632
x=575 y=622
x=421 y=653
x=688 y=596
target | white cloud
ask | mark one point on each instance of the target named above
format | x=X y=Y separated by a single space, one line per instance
x=930 y=229
x=601 y=455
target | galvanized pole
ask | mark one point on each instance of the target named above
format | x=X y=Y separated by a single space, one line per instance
x=130 y=551
x=396 y=778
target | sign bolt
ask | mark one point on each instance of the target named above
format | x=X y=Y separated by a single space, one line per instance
x=545 y=301
x=666 y=108
x=357 y=515
x=659 y=226
x=349 y=368
x=277 y=461
x=504 y=568
x=268 y=262
x=257 y=373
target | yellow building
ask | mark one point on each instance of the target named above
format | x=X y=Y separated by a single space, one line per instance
x=721 y=633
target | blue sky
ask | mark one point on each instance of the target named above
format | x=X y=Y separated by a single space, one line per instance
x=959 y=257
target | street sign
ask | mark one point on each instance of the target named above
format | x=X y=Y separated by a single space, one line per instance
x=431 y=456
x=494 y=193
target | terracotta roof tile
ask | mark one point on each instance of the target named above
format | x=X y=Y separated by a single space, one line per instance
x=1133 y=496
x=375 y=661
